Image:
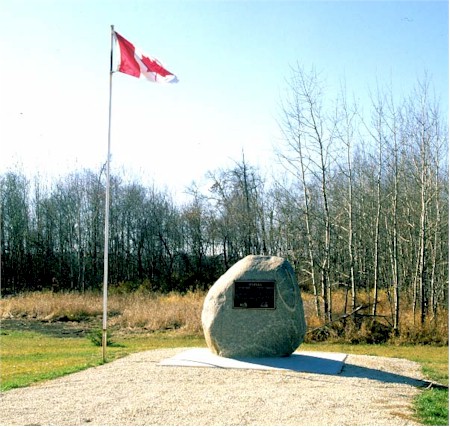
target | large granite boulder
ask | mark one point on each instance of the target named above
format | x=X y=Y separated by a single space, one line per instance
x=254 y=310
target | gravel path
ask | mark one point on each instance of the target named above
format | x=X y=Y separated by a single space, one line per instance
x=135 y=390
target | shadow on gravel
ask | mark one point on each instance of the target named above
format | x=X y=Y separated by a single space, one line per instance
x=306 y=362
x=302 y=363
x=355 y=371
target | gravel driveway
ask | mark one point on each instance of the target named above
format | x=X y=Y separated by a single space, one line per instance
x=136 y=390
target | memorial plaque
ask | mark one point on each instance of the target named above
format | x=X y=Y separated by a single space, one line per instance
x=257 y=294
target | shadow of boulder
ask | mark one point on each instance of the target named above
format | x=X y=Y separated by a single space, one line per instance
x=355 y=371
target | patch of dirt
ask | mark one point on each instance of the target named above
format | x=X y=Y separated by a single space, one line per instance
x=59 y=329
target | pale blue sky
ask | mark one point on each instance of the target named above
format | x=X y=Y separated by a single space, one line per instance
x=232 y=59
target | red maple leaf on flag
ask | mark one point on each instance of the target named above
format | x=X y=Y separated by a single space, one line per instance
x=153 y=66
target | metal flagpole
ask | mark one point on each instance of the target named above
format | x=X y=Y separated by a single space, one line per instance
x=106 y=246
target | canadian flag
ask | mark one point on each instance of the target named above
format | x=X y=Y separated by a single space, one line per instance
x=136 y=63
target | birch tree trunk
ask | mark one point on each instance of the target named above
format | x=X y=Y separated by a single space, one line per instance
x=306 y=136
x=378 y=137
x=291 y=129
x=393 y=136
x=346 y=130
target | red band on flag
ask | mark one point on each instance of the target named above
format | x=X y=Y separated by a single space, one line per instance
x=128 y=64
x=135 y=63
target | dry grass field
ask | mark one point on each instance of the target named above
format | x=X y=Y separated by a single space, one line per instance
x=126 y=312
x=149 y=312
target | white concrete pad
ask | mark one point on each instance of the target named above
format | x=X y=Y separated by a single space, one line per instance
x=315 y=362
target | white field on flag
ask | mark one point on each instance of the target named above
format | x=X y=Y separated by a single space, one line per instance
x=133 y=61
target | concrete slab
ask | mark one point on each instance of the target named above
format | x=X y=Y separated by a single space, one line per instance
x=300 y=361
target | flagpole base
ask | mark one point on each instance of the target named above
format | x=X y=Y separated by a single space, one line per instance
x=104 y=343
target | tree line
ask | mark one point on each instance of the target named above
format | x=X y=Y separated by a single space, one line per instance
x=359 y=203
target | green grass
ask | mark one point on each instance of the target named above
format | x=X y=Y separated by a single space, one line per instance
x=432 y=407
x=29 y=357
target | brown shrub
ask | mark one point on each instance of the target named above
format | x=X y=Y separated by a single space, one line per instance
x=51 y=306
x=160 y=312
x=364 y=328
